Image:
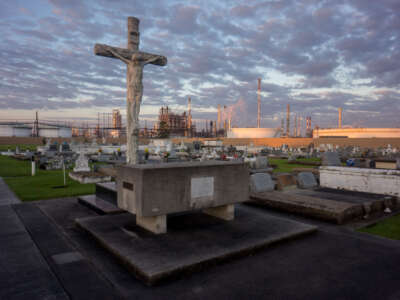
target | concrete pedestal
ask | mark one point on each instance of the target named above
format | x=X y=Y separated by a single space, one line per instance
x=153 y=191
x=225 y=212
x=156 y=224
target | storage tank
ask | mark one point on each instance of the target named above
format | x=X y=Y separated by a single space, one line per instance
x=49 y=132
x=358 y=132
x=55 y=132
x=15 y=130
x=22 y=131
x=6 y=130
x=253 y=132
x=65 y=132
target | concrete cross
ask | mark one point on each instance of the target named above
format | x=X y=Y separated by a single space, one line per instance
x=135 y=61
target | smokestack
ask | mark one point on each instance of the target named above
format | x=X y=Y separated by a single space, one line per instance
x=36 y=130
x=308 y=127
x=219 y=117
x=259 y=103
x=295 y=125
x=299 y=126
x=225 y=119
x=340 y=118
x=288 y=120
x=189 y=113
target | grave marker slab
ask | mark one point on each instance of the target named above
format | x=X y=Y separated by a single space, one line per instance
x=285 y=181
x=306 y=180
x=331 y=159
x=261 y=182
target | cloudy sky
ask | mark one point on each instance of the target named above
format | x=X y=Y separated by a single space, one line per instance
x=315 y=55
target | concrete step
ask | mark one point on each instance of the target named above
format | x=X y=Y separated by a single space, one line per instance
x=99 y=205
x=107 y=191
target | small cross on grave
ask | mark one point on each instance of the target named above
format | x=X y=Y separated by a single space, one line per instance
x=135 y=61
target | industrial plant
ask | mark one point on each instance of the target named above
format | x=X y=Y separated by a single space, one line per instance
x=35 y=129
x=170 y=123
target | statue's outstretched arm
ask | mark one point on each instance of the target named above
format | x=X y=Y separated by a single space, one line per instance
x=149 y=61
x=119 y=56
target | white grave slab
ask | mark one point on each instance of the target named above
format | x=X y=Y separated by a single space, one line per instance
x=378 y=181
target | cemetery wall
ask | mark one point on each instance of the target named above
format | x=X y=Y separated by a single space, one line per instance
x=272 y=142
x=303 y=142
x=360 y=142
x=39 y=140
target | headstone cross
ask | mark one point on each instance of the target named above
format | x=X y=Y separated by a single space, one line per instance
x=135 y=61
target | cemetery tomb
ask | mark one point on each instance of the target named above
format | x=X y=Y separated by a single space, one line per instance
x=378 y=181
x=153 y=191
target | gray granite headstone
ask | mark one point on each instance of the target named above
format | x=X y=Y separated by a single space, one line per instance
x=357 y=163
x=261 y=162
x=331 y=159
x=370 y=163
x=172 y=153
x=306 y=180
x=261 y=182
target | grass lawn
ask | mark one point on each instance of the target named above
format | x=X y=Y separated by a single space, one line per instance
x=21 y=147
x=284 y=166
x=16 y=174
x=389 y=228
x=311 y=159
x=11 y=167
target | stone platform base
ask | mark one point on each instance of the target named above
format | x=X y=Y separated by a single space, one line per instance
x=89 y=177
x=325 y=209
x=99 y=205
x=193 y=240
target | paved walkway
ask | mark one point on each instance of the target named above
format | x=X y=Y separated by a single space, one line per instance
x=7 y=196
x=44 y=256
x=24 y=273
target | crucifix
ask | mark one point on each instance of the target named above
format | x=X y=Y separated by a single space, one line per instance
x=135 y=60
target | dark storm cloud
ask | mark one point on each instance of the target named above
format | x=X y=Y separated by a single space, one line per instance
x=216 y=51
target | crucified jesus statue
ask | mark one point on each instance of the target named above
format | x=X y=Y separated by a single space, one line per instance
x=134 y=85
x=135 y=61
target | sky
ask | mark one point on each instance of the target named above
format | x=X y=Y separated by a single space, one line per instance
x=314 y=55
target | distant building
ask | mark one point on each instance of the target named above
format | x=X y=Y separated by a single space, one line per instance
x=17 y=129
x=253 y=132
x=116 y=123
x=357 y=132
x=177 y=124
